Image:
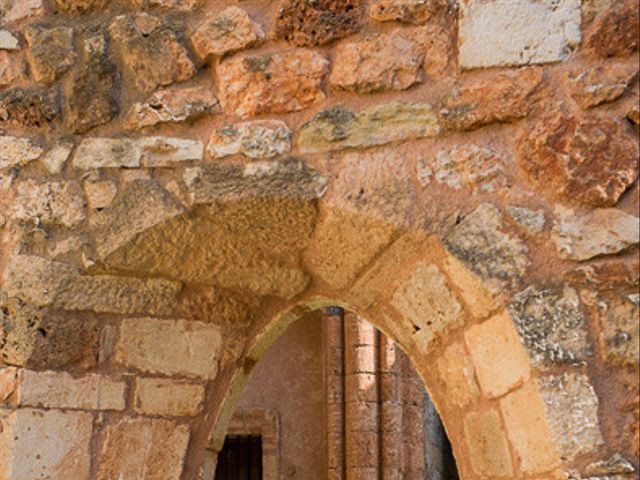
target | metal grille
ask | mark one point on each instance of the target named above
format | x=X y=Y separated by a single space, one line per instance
x=240 y=458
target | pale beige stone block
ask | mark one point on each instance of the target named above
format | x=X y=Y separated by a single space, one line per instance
x=456 y=370
x=159 y=396
x=488 y=446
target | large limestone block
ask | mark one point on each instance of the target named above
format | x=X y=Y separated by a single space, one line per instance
x=161 y=396
x=487 y=443
x=39 y=444
x=427 y=305
x=51 y=389
x=517 y=32
x=143 y=449
x=170 y=347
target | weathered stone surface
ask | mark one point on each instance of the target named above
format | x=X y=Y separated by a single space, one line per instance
x=8 y=383
x=572 y=413
x=497 y=97
x=175 y=104
x=495 y=33
x=30 y=338
x=474 y=167
x=11 y=68
x=426 y=302
x=50 y=389
x=43 y=282
x=457 y=372
x=339 y=128
x=169 y=151
x=620 y=331
x=378 y=63
x=527 y=428
x=50 y=51
x=79 y=7
x=29 y=107
x=140 y=205
x=487 y=443
x=95 y=153
x=159 y=396
x=533 y=221
x=272 y=83
x=100 y=193
x=603 y=231
x=44 y=444
x=344 y=245
x=14 y=10
x=616 y=30
x=612 y=465
x=256 y=139
x=170 y=347
x=607 y=274
x=8 y=41
x=16 y=151
x=55 y=158
x=601 y=84
x=406 y=11
x=551 y=325
x=228 y=31
x=144 y=449
x=479 y=301
x=315 y=23
x=179 y=5
x=150 y=51
x=282 y=178
x=93 y=90
x=499 y=359
x=480 y=242
x=589 y=159
x=49 y=203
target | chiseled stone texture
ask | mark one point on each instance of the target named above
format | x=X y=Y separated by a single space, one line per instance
x=487 y=443
x=174 y=104
x=143 y=449
x=160 y=396
x=601 y=84
x=499 y=358
x=405 y=11
x=306 y=23
x=426 y=301
x=517 y=32
x=170 y=347
x=50 y=51
x=551 y=324
x=378 y=63
x=256 y=139
x=16 y=151
x=150 y=50
x=603 y=231
x=572 y=411
x=620 y=330
x=480 y=242
x=339 y=128
x=228 y=31
x=39 y=444
x=475 y=167
x=494 y=98
x=589 y=159
x=281 y=82
x=51 y=389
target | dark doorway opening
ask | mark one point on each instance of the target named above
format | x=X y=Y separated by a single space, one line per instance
x=240 y=458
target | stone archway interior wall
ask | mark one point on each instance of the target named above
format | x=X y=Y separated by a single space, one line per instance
x=180 y=179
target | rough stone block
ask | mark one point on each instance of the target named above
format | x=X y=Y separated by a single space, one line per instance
x=39 y=444
x=169 y=151
x=478 y=300
x=95 y=153
x=16 y=151
x=620 y=331
x=49 y=203
x=50 y=51
x=427 y=305
x=487 y=442
x=257 y=139
x=571 y=406
x=158 y=396
x=526 y=422
x=29 y=107
x=170 y=347
x=518 y=32
x=498 y=355
x=50 y=389
x=602 y=84
x=143 y=449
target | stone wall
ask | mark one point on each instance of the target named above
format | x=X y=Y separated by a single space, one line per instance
x=181 y=179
